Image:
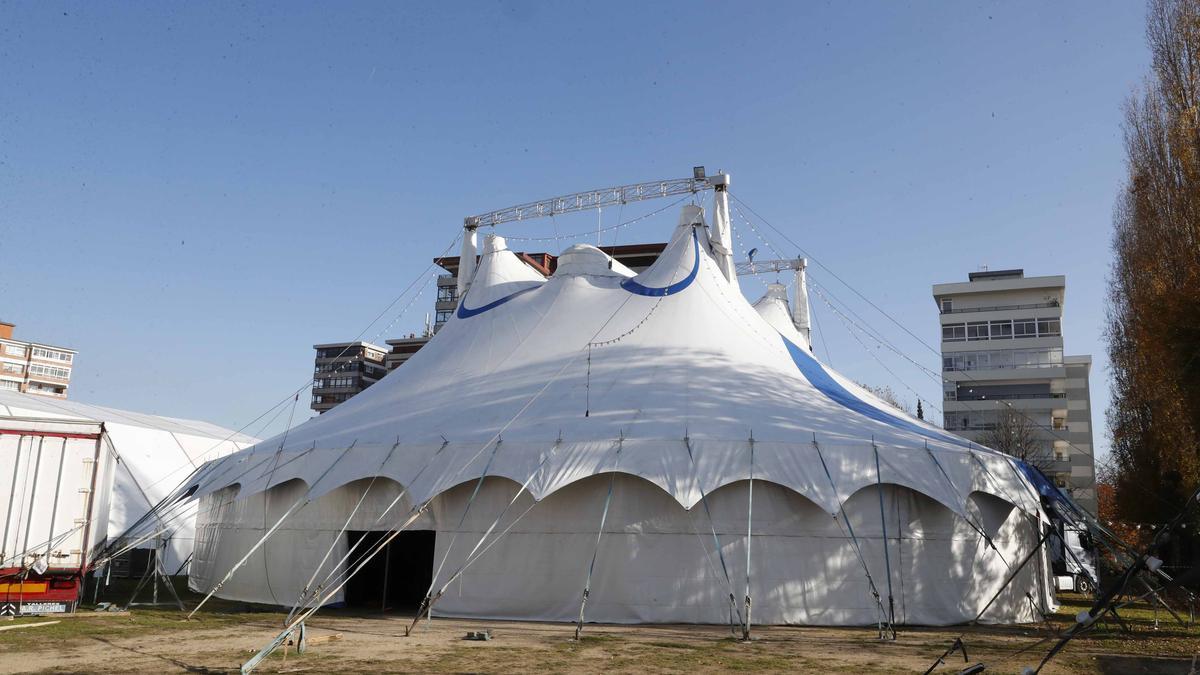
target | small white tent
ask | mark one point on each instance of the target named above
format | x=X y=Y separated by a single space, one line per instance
x=650 y=437
x=141 y=459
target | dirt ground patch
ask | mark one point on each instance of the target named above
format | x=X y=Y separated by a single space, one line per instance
x=160 y=641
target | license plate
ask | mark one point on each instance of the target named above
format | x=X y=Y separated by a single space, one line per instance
x=44 y=608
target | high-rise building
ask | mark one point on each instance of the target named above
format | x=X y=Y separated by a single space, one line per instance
x=33 y=367
x=343 y=369
x=1004 y=373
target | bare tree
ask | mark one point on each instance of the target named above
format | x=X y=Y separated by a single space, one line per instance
x=1014 y=434
x=888 y=396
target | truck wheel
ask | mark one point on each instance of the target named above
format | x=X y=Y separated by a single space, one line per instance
x=1084 y=585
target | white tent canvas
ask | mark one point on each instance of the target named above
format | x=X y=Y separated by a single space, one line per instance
x=657 y=424
x=150 y=454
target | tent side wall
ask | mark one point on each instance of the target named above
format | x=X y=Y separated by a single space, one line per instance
x=656 y=562
x=152 y=464
x=227 y=527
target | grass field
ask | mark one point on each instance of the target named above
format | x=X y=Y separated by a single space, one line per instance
x=154 y=640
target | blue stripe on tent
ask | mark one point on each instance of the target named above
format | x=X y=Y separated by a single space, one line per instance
x=1048 y=489
x=464 y=313
x=634 y=287
x=818 y=377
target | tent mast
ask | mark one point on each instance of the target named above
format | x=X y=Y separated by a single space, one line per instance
x=887 y=561
x=749 y=538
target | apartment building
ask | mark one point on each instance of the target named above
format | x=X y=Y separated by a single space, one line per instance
x=402 y=349
x=343 y=369
x=1003 y=368
x=33 y=367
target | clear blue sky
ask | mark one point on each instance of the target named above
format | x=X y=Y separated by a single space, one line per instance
x=193 y=195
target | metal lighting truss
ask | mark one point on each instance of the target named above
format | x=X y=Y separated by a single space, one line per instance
x=593 y=199
x=748 y=267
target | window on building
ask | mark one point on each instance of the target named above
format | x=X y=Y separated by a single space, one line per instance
x=977 y=330
x=442 y=317
x=14 y=350
x=447 y=293
x=954 y=332
x=977 y=360
x=43 y=353
x=10 y=385
x=1059 y=423
x=49 y=371
x=1001 y=330
x=334 y=382
x=1024 y=328
x=1049 y=328
x=1003 y=358
x=14 y=368
x=947 y=305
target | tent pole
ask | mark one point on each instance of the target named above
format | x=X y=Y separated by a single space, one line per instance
x=887 y=562
x=167 y=583
x=587 y=584
x=853 y=539
x=749 y=539
x=387 y=566
x=154 y=592
x=687 y=444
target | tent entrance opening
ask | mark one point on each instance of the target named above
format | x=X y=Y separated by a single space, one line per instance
x=397 y=578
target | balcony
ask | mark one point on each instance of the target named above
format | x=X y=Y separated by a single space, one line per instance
x=1004 y=397
x=48 y=379
x=999 y=308
x=990 y=426
x=998 y=366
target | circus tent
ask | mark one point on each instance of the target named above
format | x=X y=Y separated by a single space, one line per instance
x=631 y=447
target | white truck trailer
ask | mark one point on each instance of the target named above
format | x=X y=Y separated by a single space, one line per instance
x=74 y=477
